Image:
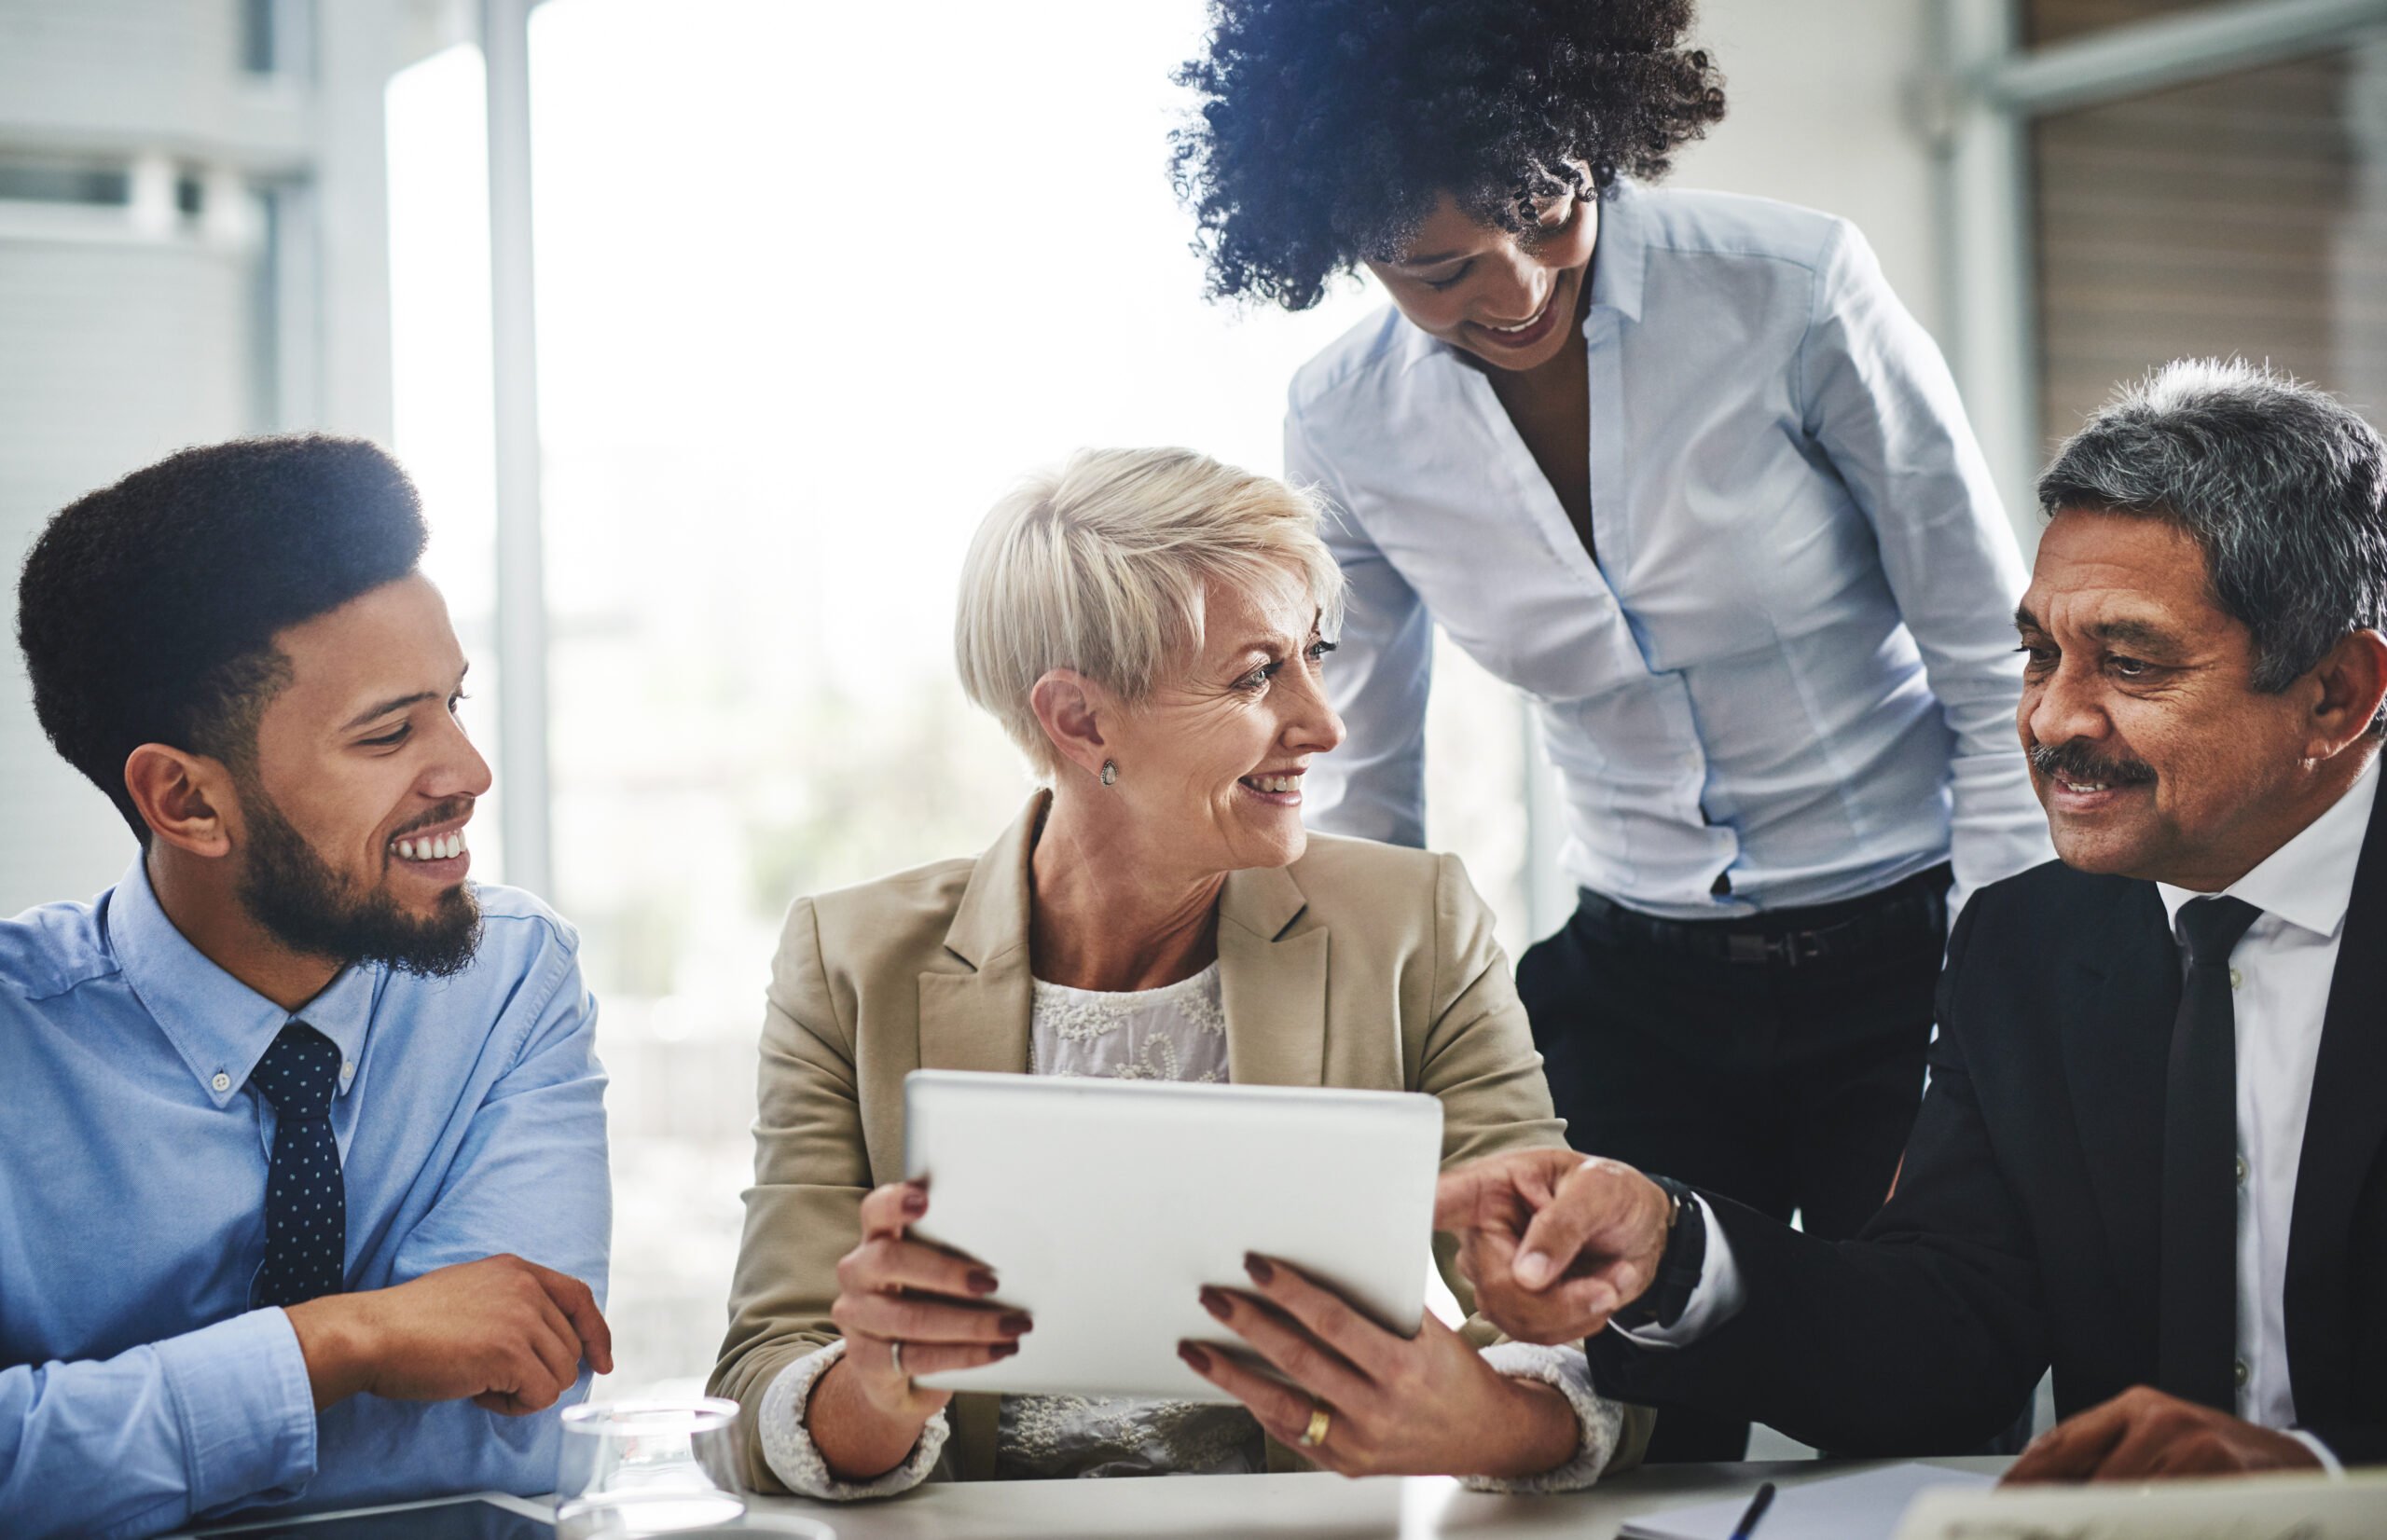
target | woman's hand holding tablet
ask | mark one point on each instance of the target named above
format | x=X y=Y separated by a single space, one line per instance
x=906 y=1308
x=1363 y=1401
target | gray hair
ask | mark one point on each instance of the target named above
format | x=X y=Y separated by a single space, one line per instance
x=1102 y=566
x=2283 y=486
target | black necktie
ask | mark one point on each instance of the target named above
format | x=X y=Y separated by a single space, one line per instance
x=2197 y=1334
x=306 y=1204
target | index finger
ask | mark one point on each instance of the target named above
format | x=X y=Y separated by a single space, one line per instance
x=579 y=1306
x=1497 y=1187
x=1326 y=1314
x=888 y=1210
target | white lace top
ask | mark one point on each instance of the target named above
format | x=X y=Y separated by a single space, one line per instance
x=1178 y=1032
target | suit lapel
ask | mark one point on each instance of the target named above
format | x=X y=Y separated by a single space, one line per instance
x=2116 y=1053
x=974 y=1010
x=2343 y=1128
x=1272 y=981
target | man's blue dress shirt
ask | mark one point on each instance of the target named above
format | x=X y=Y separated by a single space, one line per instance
x=138 y=1390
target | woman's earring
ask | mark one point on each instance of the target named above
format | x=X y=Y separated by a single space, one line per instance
x=1110 y=772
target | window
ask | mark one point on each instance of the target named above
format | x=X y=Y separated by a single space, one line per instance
x=2245 y=214
x=801 y=319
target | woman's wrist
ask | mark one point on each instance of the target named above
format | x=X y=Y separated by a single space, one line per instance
x=860 y=1439
x=1533 y=1430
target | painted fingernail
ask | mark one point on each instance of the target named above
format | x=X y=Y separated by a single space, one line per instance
x=1195 y=1359
x=1533 y=1269
x=915 y=1200
x=1215 y=1301
x=981 y=1281
x=1005 y=1351
x=1258 y=1267
x=1016 y=1324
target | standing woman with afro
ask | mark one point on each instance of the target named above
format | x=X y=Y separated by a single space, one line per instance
x=1678 y=466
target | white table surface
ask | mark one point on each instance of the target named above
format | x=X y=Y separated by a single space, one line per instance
x=1316 y=1505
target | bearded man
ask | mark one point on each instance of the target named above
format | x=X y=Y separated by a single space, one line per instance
x=304 y=1201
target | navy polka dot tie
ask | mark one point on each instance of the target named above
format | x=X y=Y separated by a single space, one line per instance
x=306 y=1204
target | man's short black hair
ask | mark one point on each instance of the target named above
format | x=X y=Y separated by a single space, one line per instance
x=1325 y=129
x=147 y=609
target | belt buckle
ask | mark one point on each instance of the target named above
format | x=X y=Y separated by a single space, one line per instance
x=1798 y=946
x=1740 y=947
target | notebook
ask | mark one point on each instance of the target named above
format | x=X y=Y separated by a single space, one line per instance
x=1865 y=1507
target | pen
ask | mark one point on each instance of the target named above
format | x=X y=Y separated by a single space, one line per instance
x=1758 y=1504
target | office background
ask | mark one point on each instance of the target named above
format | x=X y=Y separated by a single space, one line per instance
x=709 y=328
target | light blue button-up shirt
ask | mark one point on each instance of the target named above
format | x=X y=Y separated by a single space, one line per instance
x=137 y=1387
x=1790 y=677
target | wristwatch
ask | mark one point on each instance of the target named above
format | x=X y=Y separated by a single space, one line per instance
x=1668 y=1295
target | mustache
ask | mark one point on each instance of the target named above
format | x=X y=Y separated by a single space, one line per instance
x=446 y=812
x=2077 y=762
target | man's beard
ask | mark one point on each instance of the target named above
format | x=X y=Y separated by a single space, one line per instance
x=288 y=889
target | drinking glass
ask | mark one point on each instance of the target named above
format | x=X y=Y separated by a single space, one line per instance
x=646 y=1467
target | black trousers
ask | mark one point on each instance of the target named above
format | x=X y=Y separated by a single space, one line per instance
x=1759 y=1070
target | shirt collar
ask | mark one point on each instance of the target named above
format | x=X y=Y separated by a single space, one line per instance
x=2308 y=881
x=1620 y=255
x=1619 y=260
x=218 y=1025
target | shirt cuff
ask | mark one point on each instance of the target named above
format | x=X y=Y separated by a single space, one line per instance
x=1600 y=1419
x=1714 y=1299
x=246 y=1406
x=2321 y=1451
x=795 y=1460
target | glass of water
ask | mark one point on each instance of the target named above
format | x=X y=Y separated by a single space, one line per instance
x=648 y=1467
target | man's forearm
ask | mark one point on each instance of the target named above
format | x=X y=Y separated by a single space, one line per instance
x=156 y=1433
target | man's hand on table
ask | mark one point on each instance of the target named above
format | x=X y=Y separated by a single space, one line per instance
x=507 y=1334
x=2143 y=1434
x=1554 y=1244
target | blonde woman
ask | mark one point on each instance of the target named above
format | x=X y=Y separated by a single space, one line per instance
x=1150 y=627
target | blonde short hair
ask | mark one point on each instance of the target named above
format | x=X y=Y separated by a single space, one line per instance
x=1100 y=567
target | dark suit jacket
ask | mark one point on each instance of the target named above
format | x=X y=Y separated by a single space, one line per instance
x=2022 y=1232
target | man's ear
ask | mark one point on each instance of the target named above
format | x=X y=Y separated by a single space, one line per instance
x=2352 y=677
x=1071 y=709
x=182 y=797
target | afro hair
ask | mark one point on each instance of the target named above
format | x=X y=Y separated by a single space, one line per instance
x=1325 y=130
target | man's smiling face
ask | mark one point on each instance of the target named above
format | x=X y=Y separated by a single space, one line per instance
x=2152 y=750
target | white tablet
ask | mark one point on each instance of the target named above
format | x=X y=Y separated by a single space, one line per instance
x=1103 y=1206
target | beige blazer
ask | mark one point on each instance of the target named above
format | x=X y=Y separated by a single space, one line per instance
x=1360 y=964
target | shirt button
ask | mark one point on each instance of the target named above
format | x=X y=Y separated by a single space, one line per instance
x=2235 y=978
x=2237 y=1373
x=348 y=1070
x=2242 y=1171
x=222 y=1081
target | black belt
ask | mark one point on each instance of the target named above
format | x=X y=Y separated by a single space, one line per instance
x=1895 y=918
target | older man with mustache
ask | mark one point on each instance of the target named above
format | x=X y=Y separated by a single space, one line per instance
x=2154 y=1151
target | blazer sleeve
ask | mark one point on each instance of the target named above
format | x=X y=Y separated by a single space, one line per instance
x=810 y=1175
x=1922 y=1336
x=1477 y=1057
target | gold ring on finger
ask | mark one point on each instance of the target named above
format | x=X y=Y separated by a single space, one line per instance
x=1321 y=1422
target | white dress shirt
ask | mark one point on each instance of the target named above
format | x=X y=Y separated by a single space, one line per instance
x=2279 y=980
x=2280 y=975
x=1178 y=1032
x=1789 y=678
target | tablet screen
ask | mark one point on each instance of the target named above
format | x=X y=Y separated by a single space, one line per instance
x=466 y=1519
